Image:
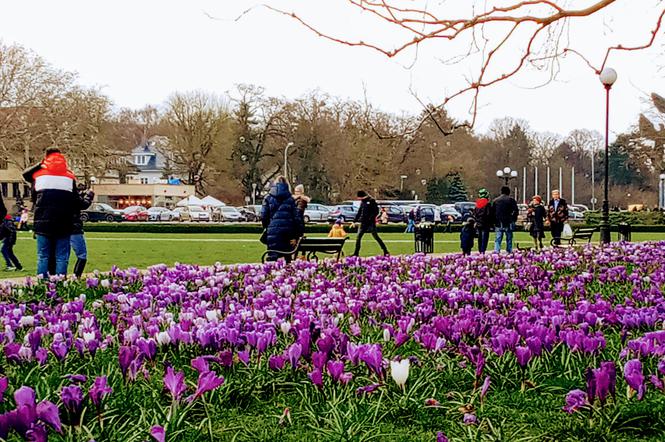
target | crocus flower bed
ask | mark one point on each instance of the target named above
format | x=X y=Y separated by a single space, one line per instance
x=560 y=345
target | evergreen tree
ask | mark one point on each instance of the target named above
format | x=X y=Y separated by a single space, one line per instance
x=456 y=188
x=437 y=191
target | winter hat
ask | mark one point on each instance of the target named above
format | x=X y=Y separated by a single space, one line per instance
x=483 y=193
x=338 y=222
x=9 y=217
x=537 y=198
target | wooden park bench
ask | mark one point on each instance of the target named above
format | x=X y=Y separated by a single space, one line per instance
x=310 y=247
x=579 y=234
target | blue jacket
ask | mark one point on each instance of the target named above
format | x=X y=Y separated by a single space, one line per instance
x=281 y=218
x=466 y=237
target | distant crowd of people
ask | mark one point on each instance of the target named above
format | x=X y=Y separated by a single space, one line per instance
x=501 y=216
x=57 y=201
x=283 y=218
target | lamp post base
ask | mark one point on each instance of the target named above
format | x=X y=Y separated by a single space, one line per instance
x=605 y=234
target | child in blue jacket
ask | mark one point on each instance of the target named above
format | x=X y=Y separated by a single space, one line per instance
x=467 y=235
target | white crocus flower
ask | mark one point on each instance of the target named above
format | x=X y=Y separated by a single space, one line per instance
x=399 y=371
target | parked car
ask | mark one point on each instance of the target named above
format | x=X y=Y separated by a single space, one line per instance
x=135 y=213
x=101 y=212
x=579 y=207
x=465 y=208
x=316 y=212
x=159 y=214
x=198 y=213
x=181 y=214
x=574 y=214
x=395 y=213
x=228 y=214
x=345 y=213
x=249 y=213
x=450 y=211
x=423 y=212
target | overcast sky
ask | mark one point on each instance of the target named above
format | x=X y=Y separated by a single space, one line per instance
x=140 y=51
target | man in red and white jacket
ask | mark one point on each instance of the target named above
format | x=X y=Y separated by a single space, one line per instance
x=55 y=201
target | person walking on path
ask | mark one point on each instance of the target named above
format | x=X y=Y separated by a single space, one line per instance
x=282 y=219
x=301 y=199
x=536 y=218
x=366 y=219
x=55 y=202
x=384 y=216
x=482 y=213
x=77 y=239
x=505 y=211
x=8 y=235
x=410 y=221
x=557 y=215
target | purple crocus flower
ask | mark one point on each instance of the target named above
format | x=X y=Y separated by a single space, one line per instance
x=371 y=355
x=276 y=362
x=208 y=381
x=485 y=387
x=575 y=400
x=661 y=366
x=174 y=383
x=59 y=349
x=4 y=383
x=158 y=432
x=319 y=359
x=77 y=378
x=601 y=382
x=470 y=419
x=71 y=397
x=200 y=364
x=48 y=412
x=632 y=373
x=243 y=356
x=367 y=389
x=125 y=357
x=335 y=369
x=657 y=382
x=99 y=390
x=316 y=377
x=294 y=352
x=26 y=419
x=523 y=355
x=440 y=437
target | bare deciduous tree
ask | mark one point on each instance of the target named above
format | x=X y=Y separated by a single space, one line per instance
x=195 y=124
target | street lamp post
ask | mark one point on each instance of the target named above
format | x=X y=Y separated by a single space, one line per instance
x=607 y=77
x=506 y=174
x=286 y=157
x=253 y=194
x=661 y=192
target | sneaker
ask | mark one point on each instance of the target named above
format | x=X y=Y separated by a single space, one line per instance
x=10 y=269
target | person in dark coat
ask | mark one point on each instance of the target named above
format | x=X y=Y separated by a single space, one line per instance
x=504 y=213
x=8 y=235
x=536 y=217
x=467 y=235
x=282 y=219
x=366 y=220
x=54 y=202
x=482 y=213
x=77 y=240
x=557 y=215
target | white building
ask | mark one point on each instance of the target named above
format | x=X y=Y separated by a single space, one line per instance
x=152 y=165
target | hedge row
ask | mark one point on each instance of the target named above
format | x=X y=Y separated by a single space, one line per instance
x=632 y=218
x=310 y=228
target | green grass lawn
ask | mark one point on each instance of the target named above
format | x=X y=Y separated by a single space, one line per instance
x=145 y=249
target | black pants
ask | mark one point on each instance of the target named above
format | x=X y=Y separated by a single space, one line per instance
x=369 y=229
x=8 y=254
x=557 y=228
x=483 y=240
